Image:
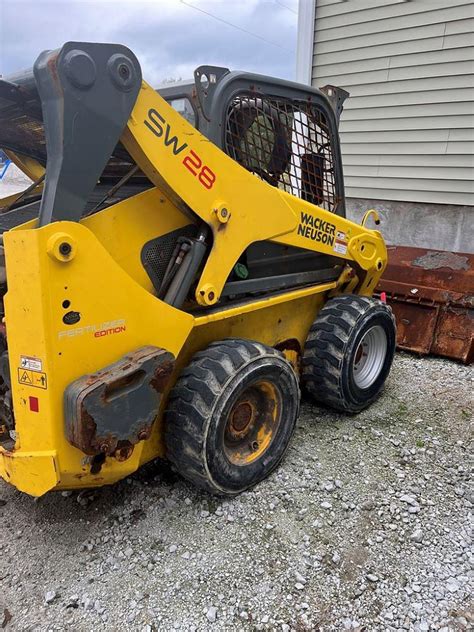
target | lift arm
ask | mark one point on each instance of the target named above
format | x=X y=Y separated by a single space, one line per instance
x=92 y=96
x=239 y=207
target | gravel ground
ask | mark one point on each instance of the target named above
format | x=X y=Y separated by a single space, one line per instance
x=365 y=526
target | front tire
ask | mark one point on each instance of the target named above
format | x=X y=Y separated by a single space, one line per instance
x=349 y=352
x=231 y=415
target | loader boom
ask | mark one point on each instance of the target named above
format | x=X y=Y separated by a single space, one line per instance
x=239 y=208
x=87 y=101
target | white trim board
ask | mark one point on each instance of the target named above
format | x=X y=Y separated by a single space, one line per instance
x=305 y=41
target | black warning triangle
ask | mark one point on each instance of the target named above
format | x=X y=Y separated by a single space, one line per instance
x=25 y=378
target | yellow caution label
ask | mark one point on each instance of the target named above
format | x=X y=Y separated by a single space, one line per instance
x=32 y=378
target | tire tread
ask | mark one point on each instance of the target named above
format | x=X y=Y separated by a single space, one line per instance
x=191 y=402
x=326 y=347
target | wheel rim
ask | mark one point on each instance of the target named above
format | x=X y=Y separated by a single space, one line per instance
x=252 y=423
x=369 y=357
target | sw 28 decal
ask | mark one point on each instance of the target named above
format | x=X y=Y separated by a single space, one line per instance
x=159 y=127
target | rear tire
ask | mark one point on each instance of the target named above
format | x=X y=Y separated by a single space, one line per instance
x=231 y=415
x=349 y=352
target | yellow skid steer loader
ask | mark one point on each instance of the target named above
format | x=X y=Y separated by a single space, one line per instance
x=179 y=266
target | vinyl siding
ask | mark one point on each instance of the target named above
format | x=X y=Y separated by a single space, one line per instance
x=407 y=128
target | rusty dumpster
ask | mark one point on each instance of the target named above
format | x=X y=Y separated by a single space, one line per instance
x=432 y=295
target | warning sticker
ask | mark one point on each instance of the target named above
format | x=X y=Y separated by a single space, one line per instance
x=340 y=243
x=340 y=247
x=32 y=378
x=28 y=362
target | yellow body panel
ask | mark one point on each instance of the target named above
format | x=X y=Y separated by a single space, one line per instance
x=105 y=282
x=88 y=281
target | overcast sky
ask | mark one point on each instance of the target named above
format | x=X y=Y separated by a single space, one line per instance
x=169 y=37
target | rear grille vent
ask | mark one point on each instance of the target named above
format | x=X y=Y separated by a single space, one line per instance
x=157 y=253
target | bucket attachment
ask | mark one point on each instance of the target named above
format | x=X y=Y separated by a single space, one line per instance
x=432 y=296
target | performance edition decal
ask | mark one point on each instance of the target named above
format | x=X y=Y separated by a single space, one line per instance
x=98 y=331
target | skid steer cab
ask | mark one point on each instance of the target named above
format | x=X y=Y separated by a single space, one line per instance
x=180 y=267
